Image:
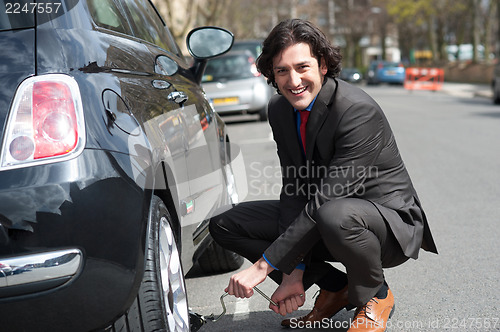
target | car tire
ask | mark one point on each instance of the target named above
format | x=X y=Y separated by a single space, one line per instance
x=161 y=304
x=216 y=259
x=496 y=92
x=263 y=114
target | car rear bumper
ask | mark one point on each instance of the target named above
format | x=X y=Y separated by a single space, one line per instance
x=391 y=79
x=397 y=77
x=242 y=96
x=245 y=103
x=71 y=242
x=38 y=272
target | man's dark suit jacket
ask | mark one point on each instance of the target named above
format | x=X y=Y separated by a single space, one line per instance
x=350 y=152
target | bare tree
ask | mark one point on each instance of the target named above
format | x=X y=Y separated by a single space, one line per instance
x=179 y=20
x=498 y=29
x=210 y=11
x=182 y=15
x=422 y=24
x=357 y=19
x=475 y=6
x=489 y=25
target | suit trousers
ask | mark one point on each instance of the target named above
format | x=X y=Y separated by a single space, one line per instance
x=350 y=231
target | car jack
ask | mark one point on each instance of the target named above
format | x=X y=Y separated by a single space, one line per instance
x=197 y=320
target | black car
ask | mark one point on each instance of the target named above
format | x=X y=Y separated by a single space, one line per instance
x=111 y=163
x=351 y=75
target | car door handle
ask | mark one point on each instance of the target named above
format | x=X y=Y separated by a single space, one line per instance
x=178 y=97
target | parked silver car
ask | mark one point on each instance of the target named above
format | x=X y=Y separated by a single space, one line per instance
x=252 y=45
x=233 y=85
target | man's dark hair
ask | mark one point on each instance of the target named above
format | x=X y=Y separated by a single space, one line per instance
x=294 y=31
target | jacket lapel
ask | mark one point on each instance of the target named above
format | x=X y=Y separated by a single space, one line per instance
x=290 y=135
x=319 y=114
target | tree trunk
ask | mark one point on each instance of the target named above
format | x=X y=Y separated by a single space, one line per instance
x=476 y=32
x=498 y=29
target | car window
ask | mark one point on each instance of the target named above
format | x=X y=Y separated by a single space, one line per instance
x=255 y=48
x=105 y=14
x=12 y=15
x=229 y=67
x=149 y=26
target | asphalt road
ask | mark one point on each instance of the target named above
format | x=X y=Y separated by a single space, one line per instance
x=450 y=145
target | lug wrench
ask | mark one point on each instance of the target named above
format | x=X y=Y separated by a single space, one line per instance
x=197 y=321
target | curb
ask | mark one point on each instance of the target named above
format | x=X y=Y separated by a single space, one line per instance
x=468 y=90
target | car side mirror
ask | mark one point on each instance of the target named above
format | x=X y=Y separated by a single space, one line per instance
x=207 y=42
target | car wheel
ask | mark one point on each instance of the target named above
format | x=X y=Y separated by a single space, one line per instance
x=263 y=114
x=216 y=259
x=161 y=304
x=496 y=93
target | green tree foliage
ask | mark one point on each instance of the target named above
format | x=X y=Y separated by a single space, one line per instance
x=433 y=24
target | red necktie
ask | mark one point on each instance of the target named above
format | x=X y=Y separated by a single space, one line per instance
x=304 y=115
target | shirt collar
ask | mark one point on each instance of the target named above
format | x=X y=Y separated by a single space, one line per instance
x=308 y=108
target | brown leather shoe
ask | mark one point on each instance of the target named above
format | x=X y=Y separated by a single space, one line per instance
x=373 y=316
x=327 y=304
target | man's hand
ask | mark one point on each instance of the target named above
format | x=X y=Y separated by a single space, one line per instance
x=242 y=284
x=290 y=294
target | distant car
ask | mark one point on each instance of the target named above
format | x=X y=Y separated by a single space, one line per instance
x=495 y=84
x=386 y=72
x=351 y=75
x=254 y=46
x=234 y=86
x=112 y=161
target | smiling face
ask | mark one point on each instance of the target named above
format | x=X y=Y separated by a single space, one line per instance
x=298 y=74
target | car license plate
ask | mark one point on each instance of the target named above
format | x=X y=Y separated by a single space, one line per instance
x=390 y=72
x=226 y=101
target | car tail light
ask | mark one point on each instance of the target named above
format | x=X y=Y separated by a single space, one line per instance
x=254 y=70
x=45 y=122
x=253 y=67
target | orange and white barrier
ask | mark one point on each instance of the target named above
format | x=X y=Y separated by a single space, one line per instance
x=424 y=79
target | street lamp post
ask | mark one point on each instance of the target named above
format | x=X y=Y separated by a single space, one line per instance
x=382 y=31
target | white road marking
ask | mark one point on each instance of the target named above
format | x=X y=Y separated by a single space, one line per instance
x=254 y=141
x=262 y=140
x=241 y=310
